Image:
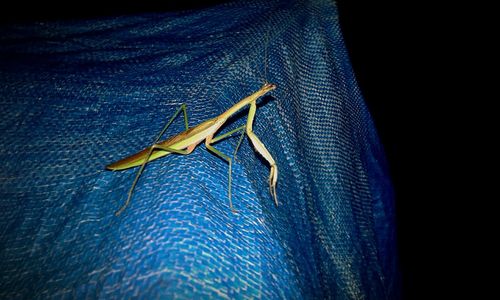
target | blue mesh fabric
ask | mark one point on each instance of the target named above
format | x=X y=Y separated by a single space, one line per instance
x=78 y=95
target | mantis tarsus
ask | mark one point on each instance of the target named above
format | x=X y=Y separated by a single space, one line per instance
x=186 y=141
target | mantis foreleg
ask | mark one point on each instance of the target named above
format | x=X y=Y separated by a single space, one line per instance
x=259 y=147
x=152 y=148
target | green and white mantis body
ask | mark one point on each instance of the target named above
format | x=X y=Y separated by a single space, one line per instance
x=186 y=141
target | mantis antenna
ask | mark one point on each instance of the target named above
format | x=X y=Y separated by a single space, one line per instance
x=266 y=59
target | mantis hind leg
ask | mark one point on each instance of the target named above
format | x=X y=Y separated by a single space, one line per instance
x=183 y=107
x=152 y=148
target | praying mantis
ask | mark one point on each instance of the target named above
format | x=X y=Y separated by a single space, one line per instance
x=185 y=142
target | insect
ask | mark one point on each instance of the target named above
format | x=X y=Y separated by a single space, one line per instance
x=185 y=142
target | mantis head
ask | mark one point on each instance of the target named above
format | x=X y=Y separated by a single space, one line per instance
x=268 y=87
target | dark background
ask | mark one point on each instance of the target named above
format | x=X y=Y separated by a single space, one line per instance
x=395 y=50
x=416 y=64
x=388 y=46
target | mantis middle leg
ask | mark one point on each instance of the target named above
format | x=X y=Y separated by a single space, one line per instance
x=211 y=140
x=208 y=141
x=225 y=135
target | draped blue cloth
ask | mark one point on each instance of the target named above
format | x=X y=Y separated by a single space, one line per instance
x=78 y=95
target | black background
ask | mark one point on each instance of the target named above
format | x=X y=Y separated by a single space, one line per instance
x=418 y=64
x=396 y=49
x=388 y=46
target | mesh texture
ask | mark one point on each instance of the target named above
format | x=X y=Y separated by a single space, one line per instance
x=78 y=95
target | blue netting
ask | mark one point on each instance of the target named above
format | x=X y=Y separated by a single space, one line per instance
x=78 y=95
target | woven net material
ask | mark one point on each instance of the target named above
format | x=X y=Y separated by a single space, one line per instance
x=78 y=95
